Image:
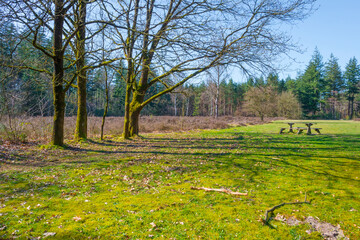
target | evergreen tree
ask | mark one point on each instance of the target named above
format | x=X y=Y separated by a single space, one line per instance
x=273 y=81
x=334 y=82
x=8 y=77
x=310 y=84
x=118 y=97
x=352 y=77
x=259 y=82
x=291 y=85
x=282 y=85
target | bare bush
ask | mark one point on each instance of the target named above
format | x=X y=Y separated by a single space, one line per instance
x=266 y=101
x=288 y=105
x=261 y=101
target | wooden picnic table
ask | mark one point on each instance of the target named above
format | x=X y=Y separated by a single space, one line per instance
x=309 y=128
x=291 y=127
x=300 y=129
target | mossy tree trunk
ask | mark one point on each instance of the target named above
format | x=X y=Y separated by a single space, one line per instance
x=81 y=120
x=126 y=132
x=59 y=115
x=132 y=113
x=129 y=88
x=58 y=75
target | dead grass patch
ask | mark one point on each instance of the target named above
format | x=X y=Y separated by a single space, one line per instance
x=38 y=129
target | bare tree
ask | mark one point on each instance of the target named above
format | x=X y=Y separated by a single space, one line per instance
x=159 y=39
x=64 y=21
x=217 y=74
x=261 y=101
x=267 y=101
x=288 y=105
x=80 y=52
x=43 y=16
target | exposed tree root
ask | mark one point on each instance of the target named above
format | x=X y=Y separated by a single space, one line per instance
x=219 y=190
x=271 y=210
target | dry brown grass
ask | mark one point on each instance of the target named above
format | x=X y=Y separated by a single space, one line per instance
x=38 y=129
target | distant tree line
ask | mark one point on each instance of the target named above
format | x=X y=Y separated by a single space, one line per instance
x=323 y=90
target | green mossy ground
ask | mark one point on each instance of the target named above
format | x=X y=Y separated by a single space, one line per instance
x=141 y=189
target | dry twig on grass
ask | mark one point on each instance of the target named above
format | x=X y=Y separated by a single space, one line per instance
x=219 y=190
x=271 y=210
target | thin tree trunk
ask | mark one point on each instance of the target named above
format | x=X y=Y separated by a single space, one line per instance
x=352 y=108
x=262 y=117
x=183 y=105
x=126 y=133
x=81 y=120
x=187 y=106
x=217 y=102
x=106 y=105
x=175 y=103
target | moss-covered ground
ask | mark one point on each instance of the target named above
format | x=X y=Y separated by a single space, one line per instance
x=141 y=189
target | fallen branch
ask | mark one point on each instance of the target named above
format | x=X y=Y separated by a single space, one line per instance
x=219 y=190
x=271 y=210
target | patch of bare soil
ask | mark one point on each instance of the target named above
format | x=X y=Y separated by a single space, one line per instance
x=327 y=230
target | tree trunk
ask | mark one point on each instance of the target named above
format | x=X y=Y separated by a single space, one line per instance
x=126 y=133
x=175 y=104
x=352 y=108
x=59 y=114
x=104 y=115
x=262 y=117
x=187 y=106
x=106 y=105
x=58 y=77
x=131 y=127
x=217 y=102
x=81 y=120
x=134 y=123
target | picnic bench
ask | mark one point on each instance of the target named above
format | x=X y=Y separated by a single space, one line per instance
x=290 y=128
x=317 y=130
x=309 y=128
x=301 y=129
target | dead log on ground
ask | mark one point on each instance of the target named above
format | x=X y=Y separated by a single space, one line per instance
x=271 y=210
x=219 y=190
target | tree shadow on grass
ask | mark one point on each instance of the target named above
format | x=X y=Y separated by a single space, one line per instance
x=183 y=156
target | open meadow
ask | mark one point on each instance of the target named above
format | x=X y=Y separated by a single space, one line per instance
x=142 y=188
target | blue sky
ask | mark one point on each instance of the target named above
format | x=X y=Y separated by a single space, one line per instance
x=333 y=28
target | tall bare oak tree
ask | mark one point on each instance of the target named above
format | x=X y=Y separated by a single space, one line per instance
x=180 y=39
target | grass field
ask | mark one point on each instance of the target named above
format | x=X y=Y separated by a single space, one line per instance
x=141 y=189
